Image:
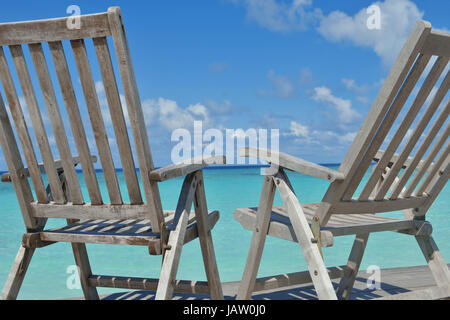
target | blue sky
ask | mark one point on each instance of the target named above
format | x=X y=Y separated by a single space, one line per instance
x=306 y=67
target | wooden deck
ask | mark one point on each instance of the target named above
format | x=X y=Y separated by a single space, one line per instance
x=393 y=281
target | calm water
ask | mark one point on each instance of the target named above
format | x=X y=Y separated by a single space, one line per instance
x=226 y=190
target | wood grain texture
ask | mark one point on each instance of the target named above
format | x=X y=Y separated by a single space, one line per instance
x=288 y=162
x=136 y=116
x=16 y=168
x=262 y=220
x=118 y=119
x=96 y=117
x=54 y=115
x=14 y=33
x=38 y=124
x=76 y=123
x=21 y=128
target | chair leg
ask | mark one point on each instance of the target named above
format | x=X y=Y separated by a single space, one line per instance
x=258 y=239
x=316 y=265
x=84 y=270
x=205 y=238
x=436 y=262
x=17 y=273
x=353 y=264
x=172 y=255
x=171 y=259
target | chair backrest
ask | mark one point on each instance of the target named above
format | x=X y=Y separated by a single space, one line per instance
x=55 y=32
x=398 y=120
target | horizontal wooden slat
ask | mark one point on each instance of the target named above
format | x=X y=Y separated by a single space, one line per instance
x=87 y=211
x=92 y=26
x=378 y=206
x=280 y=227
x=182 y=286
x=437 y=43
x=99 y=239
x=201 y=287
x=150 y=239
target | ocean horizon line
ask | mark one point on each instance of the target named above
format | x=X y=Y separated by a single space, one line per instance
x=216 y=167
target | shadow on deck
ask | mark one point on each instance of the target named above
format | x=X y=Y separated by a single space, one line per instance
x=393 y=281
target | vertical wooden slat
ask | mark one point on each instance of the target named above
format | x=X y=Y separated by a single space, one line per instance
x=412 y=141
x=22 y=129
x=420 y=151
x=15 y=167
x=135 y=113
x=384 y=99
x=38 y=124
x=426 y=165
x=40 y=65
x=118 y=120
x=76 y=123
x=387 y=123
x=420 y=99
x=95 y=114
x=440 y=161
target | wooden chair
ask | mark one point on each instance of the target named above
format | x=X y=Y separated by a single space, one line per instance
x=397 y=181
x=142 y=221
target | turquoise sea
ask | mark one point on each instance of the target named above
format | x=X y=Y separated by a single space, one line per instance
x=226 y=189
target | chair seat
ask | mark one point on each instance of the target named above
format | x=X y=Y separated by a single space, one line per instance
x=115 y=231
x=338 y=225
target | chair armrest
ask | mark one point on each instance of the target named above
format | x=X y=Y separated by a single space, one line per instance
x=6 y=177
x=292 y=163
x=183 y=168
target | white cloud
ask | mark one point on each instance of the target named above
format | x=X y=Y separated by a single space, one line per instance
x=326 y=139
x=198 y=110
x=161 y=112
x=347 y=138
x=343 y=107
x=167 y=113
x=279 y=15
x=299 y=130
x=397 y=19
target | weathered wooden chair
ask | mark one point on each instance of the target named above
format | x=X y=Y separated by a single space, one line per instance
x=142 y=221
x=387 y=189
